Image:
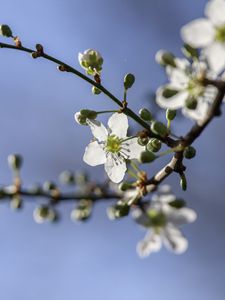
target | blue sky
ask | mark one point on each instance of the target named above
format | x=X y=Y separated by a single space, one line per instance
x=97 y=260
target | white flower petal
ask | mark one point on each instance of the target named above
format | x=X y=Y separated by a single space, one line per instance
x=98 y=130
x=151 y=243
x=118 y=124
x=182 y=63
x=178 y=78
x=215 y=11
x=181 y=216
x=173 y=239
x=175 y=102
x=115 y=168
x=141 y=218
x=94 y=154
x=215 y=54
x=134 y=148
x=197 y=114
x=198 y=33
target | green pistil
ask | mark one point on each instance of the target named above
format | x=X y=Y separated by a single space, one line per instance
x=220 y=34
x=113 y=144
x=195 y=87
x=157 y=218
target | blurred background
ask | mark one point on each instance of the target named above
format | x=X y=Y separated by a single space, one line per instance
x=97 y=260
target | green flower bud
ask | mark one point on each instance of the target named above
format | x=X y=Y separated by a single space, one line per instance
x=96 y=91
x=81 y=178
x=120 y=210
x=189 y=152
x=165 y=58
x=145 y=114
x=67 y=177
x=142 y=141
x=48 y=186
x=159 y=129
x=190 y=52
x=178 y=203
x=170 y=114
x=124 y=186
x=41 y=214
x=168 y=93
x=154 y=145
x=16 y=203
x=15 y=161
x=183 y=182
x=6 y=31
x=91 y=60
x=83 y=211
x=129 y=80
x=191 y=103
x=147 y=157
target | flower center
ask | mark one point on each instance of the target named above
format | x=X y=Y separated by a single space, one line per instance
x=113 y=144
x=220 y=34
x=195 y=87
x=157 y=218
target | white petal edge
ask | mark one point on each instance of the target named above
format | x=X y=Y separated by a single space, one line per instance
x=174 y=240
x=115 y=168
x=118 y=124
x=181 y=216
x=215 y=11
x=98 y=130
x=134 y=148
x=175 y=102
x=215 y=54
x=150 y=243
x=94 y=155
x=198 y=33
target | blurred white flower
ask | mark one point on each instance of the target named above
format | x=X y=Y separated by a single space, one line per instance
x=111 y=146
x=185 y=89
x=91 y=60
x=209 y=33
x=163 y=221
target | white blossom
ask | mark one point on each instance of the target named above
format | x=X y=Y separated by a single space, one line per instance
x=91 y=60
x=111 y=146
x=163 y=222
x=209 y=33
x=186 y=89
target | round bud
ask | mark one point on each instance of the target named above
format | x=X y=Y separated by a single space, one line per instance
x=145 y=114
x=95 y=90
x=5 y=30
x=142 y=141
x=170 y=114
x=189 y=152
x=154 y=145
x=159 y=129
x=91 y=60
x=165 y=58
x=128 y=81
x=191 y=103
x=120 y=210
x=147 y=157
x=82 y=212
x=41 y=214
x=48 y=186
x=67 y=177
x=16 y=203
x=15 y=161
